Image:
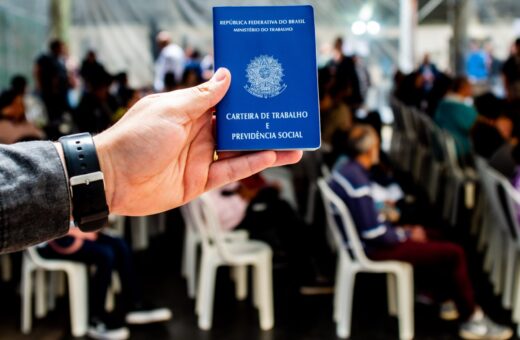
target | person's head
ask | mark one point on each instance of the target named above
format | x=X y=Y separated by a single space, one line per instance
x=100 y=85
x=363 y=145
x=517 y=45
x=338 y=44
x=461 y=86
x=56 y=47
x=426 y=59
x=12 y=106
x=91 y=56
x=163 y=39
x=19 y=84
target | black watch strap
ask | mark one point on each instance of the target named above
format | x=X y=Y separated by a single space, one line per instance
x=87 y=187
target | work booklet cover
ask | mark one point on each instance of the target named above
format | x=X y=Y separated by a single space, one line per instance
x=272 y=103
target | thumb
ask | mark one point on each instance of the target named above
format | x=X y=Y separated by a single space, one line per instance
x=203 y=97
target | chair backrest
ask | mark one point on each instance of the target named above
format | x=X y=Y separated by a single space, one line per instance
x=339 y=218
x=502 y=197
x=205 y=219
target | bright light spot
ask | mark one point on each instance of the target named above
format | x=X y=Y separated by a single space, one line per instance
x=359 y=27
x=373 y=27
x=365 y=13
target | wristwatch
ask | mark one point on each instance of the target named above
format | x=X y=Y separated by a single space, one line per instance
x=86 y=181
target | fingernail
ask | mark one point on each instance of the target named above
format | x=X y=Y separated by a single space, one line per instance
x=220 y=75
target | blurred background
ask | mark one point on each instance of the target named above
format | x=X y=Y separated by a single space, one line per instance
x=430 y=86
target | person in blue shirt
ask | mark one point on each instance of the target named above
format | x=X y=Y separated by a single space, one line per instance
x=439 y=262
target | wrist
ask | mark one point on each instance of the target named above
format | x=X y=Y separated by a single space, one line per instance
x=105 y=163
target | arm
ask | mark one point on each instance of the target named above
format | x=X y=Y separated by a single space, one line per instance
x=34 y=199
x=157 y=157
x=365 y=215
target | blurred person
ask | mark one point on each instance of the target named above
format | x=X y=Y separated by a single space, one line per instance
x=429 y=72
x=91 y=69
x=97 y=106
x=440 y=264
x=193 y=61
x=334 y=113
x=190 y=77
x=108 y=254
x=33 y=107
x=457 y=115
x=511 y=72
x=207 y=65
x=363 y=76
x=477 y=64
x=343 y=70
x=52 y=83
x=170 y=84
x=502 y=160
x=171 y=59
x=493 y=127
x=255 y=205
x=123 y=92
x=14 y=127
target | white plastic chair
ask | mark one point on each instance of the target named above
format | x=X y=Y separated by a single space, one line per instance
x=191 y=245
x=77 y=283
x=217 y=252
x=352 y=260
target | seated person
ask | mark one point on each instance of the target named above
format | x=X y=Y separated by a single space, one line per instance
x=256 y=206
x=437 y=262
x=107 y=254
x=14 y=127
x=455 y=115
x=502 y=160
x=493 y=127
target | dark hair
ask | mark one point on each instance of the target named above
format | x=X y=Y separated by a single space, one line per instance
x=458 y=82
x=358 y=142
x=517 y=42
x=6 y=99
x=18 y=84
x=55 y=44
x=489 y=105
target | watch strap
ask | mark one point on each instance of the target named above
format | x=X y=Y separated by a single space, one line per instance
x=89 y=206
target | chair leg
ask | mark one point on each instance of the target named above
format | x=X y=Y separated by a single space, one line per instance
x=516 y=294
x=205 y=296
x=40 y=288
x=344 y=323
x=6 y=266
x=184 y=265
x=240 y=277
x=26 y=296
x=191 y=266
x=265 y=292
x=78 y=300
x=391 y=293
x=338 y=289
x=52 y=289
x=405 y=304
x=507 y=297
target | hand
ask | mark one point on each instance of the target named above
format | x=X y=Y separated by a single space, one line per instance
x=418 y=234
x=160 y=154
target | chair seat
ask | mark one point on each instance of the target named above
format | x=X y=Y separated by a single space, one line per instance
x=249 y=251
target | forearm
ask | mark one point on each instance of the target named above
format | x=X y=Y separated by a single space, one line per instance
x=34 y=197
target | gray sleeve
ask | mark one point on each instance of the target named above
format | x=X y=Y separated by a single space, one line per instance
x=34 y=196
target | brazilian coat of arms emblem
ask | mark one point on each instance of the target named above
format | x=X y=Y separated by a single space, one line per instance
x=265 y=77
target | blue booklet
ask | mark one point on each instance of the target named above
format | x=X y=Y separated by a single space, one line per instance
x=272 y=103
